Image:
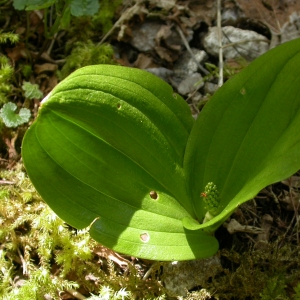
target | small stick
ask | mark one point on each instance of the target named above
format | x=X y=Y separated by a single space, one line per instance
x=24 y=264
x=76 y=294
x=3 y=182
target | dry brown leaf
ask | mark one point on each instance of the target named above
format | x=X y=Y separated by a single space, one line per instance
x=143 y=61
x=293 y=181
x=273 y=13
x=292 y=199
x=234 y=226
x=165 y=54
x=204 y=10
x=110 y=254
x=263 y=238
x=17 y=52
x=47 y=67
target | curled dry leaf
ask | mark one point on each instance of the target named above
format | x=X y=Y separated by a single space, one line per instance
x=47 y=67
x=274 y=14
x=110 y=254
x=234 y=226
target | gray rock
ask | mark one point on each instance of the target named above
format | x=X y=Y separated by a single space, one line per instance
x=161 y=72
x=165 y=4
x=186 y=64
x=291 y=29
x=230 y=16
x=210 y=88
x=189 y=84
x=179 y=277
x=246 y=43
x=143 y=37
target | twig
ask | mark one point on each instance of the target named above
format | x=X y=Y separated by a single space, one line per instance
x=148 y=273
x=51 y=44
x=76 y=294
x=24 y=264
x=187 y=46
x=3 y=182
x=220 y=36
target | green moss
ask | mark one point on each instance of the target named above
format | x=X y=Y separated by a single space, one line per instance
x=107 y=10
x=6 y=70
x=85 y=54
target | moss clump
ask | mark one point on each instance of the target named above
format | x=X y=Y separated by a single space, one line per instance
x=6 y=70
x=85 y=54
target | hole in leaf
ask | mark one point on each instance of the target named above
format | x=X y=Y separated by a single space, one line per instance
x=153 y=195
x=118 y=106
x=243 y=91
x=175 y=95
x=145 y=237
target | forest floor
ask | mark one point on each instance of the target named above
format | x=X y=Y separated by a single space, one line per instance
x=259 y=244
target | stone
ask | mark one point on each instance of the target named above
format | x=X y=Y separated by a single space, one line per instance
x=210 y=88
x=290 y=30
x=161 y=72
x=230 y=16
x=190 y=84
x=186 y=64
x=143 y=36
x=179 y=277
x=165 y=4
x=236 y=43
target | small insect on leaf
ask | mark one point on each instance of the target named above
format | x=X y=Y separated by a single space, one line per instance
x=203 y=195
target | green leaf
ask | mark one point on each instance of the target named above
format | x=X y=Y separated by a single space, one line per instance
x=247 y=136
x=19 y=4
x=32 y=4
x=116 y=148
x=107 y=148
x=10 y=118
x=66 y=18
x=39 y=4
x=32 y=91
x=84 y=7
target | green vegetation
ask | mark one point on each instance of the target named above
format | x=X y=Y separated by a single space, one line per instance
x=31 y=91
x=134 y=194
x=10 y=118
x=134 y=157
x=6 y=70
x=86 y=54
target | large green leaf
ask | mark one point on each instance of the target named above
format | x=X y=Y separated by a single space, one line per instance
x=115 y=148
x=248 y=136
x=105 y=143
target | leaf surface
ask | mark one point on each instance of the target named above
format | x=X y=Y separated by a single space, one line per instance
x=84 y=7
x=247 y=136
x=106 y=150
